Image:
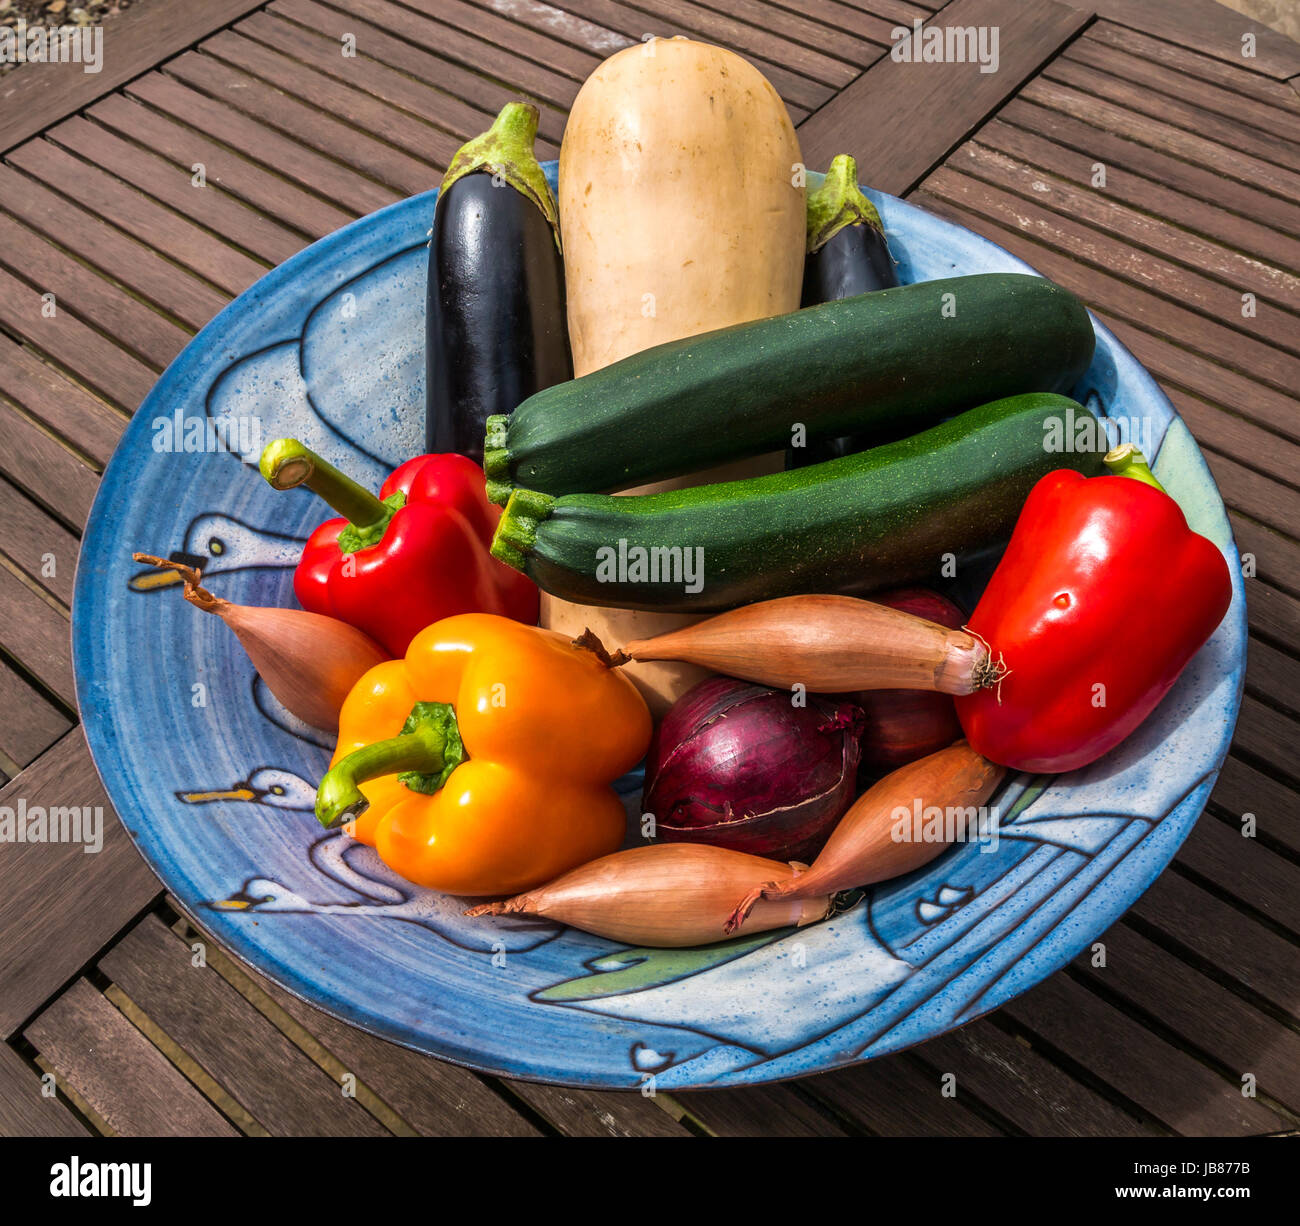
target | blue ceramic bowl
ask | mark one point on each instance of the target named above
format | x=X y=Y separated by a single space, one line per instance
x=215 y=782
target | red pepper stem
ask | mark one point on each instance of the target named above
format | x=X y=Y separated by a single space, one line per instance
x=287 y=463
x=1127 y=461
x=423 y=754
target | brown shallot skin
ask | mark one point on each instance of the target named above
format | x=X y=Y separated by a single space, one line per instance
x=665 y=896
x=863 y=849
x=309 y=662
x=830 y=645
x=903 y=725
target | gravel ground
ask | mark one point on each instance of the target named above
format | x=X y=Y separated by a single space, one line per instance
x=60 y=12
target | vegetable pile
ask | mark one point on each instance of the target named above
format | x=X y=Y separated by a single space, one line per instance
x=774 y=637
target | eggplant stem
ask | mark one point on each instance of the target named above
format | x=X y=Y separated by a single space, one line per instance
x=195 y=593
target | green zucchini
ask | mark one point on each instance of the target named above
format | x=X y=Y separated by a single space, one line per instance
x=875 y=519
x=896 y=359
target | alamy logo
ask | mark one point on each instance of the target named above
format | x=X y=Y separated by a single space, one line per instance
x=120 y=1179
x=24 y=44
x=57 y=824
x=921 y=44
x=656 y=564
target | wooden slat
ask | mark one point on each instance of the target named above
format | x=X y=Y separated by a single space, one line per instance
x=127 y=1080
x=799 y=93
x=1241 y=949
x=1273 y=615
x=758 y=1111
x=133 y=42
x=149 y=173
x=198 y=1010
x=1269 y=735
x=1025 y=1087
x=474 y=55
x=1238 y=233
x=45 y=467
x=146 y=273
x=1256 y=495
x=1224 y=160
x=592 y=1113
x=488 y=28
x=58 y=905
x=81 y=290
x=1169 y=85
x=546 y=18
x=1194 y=64
x=432 y=1097
x=24 y=1110
x=389 y=172
x=764 y=40
x=54 y=400
x=1167 y=1083
x=37 y=544
x=1242 y=867
x=1215 y=265
x=428 y=145
x=1275 y=558
x=290 y=159
x=462 y=101
x=23 y=740
x=1081 y=74
x=1047 y=109
x=1178 y=367
x=1242 y=789
x=96 y=361
x=1202 y=1012
x=1275 y=676
x=894 y=1096
x=1216 y=429
x=451 y=118
x=35 y=633
x=900 y=119
x=226 y=171
x=162 y=229
x=1207 y=27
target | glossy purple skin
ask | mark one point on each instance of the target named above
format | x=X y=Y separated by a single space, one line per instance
x=739 y=765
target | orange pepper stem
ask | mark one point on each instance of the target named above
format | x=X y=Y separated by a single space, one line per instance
x=422 y=756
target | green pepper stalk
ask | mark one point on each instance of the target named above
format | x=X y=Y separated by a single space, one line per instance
x=287 y=463
x=422 y=756
x=1127 y=461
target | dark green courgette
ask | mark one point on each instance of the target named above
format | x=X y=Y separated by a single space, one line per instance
x=879 y=518
x=899 y=358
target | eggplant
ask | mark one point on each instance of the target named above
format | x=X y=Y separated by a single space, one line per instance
x=495 y=328
x=847 y=255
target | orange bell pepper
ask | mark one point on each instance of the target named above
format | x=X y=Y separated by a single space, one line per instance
x=482 y=762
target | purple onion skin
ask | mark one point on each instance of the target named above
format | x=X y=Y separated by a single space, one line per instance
x=739 y=765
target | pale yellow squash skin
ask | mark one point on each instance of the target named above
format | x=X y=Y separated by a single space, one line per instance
x=681 y=200
x=682 y=210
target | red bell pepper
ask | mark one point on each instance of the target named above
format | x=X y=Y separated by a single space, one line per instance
x=397 y=563
x=1102 y=597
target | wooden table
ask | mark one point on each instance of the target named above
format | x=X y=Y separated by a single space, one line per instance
x=1200 y=146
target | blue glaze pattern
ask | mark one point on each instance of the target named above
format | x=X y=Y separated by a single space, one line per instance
x=329 y=347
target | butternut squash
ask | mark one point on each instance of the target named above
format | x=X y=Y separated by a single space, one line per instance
x=682 y=209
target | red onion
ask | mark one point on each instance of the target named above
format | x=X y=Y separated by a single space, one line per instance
x=904 y=725
x=739 y=765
